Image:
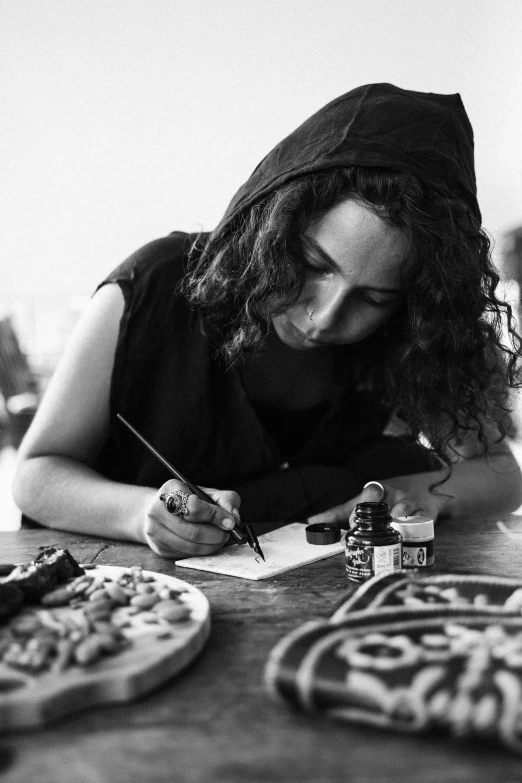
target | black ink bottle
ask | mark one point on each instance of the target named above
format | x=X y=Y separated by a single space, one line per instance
x=372 y=546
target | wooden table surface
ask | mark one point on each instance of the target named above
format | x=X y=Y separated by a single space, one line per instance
x=216 y=722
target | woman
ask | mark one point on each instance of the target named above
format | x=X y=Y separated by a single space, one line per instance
x=347 y=288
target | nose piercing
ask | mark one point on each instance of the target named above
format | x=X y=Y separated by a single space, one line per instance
x=311 y=314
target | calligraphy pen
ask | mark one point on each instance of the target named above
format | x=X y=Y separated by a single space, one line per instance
x=250 y=536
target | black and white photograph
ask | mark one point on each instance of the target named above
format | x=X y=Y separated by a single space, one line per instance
x=261 y=391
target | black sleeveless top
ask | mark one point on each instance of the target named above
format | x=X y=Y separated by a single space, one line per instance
x=168 y=385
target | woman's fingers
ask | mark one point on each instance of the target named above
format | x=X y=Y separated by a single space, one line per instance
x=197 y=510
x=405 y=508
x=336 y=515
x=202 y=511
x=402 y=502
x=227 y=499
x=344 y=514
x=374 y=492
x=198 y=533
x=169 y=543
x=197 y=528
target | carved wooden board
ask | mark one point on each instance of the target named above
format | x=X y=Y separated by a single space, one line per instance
x=31 y=700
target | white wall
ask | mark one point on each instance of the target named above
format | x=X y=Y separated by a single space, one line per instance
x=123 y=120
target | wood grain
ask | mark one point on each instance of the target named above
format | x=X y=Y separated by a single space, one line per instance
x=216 y=722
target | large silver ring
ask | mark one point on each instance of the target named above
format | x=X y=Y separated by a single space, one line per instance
x=377 y=485
x=176 y=502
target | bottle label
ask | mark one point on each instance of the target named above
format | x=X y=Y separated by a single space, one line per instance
x=387 y=558
x=359 y=562
x=363 y=562
x=417 y=556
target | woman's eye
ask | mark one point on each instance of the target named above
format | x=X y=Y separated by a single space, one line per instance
x=315 y=268
x=375 y=302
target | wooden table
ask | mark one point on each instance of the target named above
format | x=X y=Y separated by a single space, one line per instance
x=216 y=722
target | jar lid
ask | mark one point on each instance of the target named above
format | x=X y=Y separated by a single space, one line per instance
x=322 y=533
x=414 y=527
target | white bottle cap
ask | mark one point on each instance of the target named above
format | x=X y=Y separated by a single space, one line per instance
x=414 y=528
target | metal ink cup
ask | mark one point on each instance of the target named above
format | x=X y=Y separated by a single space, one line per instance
x=418 y=537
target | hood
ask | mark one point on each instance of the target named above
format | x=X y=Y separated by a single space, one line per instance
x=421 y=133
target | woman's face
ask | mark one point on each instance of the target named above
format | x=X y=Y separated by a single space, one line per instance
x=353 y=261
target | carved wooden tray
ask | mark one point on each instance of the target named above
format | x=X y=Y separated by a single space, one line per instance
x=152 y=657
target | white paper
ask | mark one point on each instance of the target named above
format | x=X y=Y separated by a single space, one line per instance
x=284 y=549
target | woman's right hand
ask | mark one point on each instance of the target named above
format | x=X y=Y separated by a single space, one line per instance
x=202 y=531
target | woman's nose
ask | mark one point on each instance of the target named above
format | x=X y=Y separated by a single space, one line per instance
x=328 y=308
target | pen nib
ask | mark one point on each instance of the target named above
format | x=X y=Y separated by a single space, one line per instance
x=254 y=543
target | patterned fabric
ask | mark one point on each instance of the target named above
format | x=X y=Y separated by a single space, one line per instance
x=413 y=652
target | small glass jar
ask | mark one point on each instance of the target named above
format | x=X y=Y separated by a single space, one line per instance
x=418 y=537
x=372 y=546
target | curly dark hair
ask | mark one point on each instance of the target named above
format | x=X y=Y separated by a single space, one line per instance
x=441 y=360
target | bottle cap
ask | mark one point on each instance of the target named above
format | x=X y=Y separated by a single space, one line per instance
x=322 y=533
x=414 y=528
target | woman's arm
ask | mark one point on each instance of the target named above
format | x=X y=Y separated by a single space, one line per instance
x=54 y=482
x=485 y=477
x=480 y=484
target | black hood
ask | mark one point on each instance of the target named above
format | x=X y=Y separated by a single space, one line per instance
x=378 y=125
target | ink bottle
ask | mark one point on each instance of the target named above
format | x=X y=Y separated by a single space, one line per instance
x=372 y=546
x=418 y=535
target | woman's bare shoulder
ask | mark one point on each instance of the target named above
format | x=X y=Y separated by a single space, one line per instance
x=73 y=417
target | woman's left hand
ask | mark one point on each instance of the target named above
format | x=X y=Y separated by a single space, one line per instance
x=403 y=497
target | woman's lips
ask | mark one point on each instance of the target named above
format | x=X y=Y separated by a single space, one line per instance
x=298 y=333
x=305 y=338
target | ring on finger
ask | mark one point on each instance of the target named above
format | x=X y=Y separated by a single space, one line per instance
x=378 y=486
x=176 y=502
